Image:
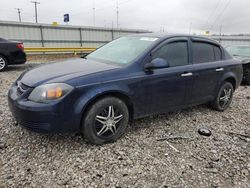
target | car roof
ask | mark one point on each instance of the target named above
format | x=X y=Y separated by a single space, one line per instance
x=164 y=36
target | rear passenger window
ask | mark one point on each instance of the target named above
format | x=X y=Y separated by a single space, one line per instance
x=217 y=53
x=227 y=55
x=176 y=53
x=203 y=52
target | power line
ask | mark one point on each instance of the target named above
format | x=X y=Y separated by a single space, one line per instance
x=212 y=13
x=220 y=15
x=19 y=14
x=35 y=3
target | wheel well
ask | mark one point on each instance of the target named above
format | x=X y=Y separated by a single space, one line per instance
x=121 y=96
x=232 y=81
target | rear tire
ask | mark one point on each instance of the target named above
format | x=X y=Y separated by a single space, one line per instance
x=247 y=76
x=224 y=97
x=105 y=121
x=3 y=63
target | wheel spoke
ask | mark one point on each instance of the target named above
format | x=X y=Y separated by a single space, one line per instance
x=111 y=112
x=101 y=119
x=229 y=93
x=103 y=130
x=224 y=103
x=114 y=127
x=225 y=91
x=111 y=129
x=223 y=98
x=118 y=118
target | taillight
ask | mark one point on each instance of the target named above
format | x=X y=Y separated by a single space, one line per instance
x=20 y=46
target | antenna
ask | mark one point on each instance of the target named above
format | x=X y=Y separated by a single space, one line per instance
x=19 y=14
x=35 y=3
x=117 y=14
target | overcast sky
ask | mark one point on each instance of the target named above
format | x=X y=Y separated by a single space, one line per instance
x=156 y=15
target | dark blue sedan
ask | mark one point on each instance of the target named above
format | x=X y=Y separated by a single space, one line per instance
x=128 y=78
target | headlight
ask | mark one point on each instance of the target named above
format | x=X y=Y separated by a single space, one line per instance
x=49 y=92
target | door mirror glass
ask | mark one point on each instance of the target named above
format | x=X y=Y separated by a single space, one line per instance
x=157 y=63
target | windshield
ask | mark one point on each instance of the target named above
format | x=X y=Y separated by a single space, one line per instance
x=123 y=50
x=239 y=50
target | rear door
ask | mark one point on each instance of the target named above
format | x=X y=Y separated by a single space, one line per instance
x=208 y=69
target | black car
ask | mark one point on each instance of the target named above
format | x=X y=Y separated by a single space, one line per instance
x=128 y=78
x=11 y=53
x=242 y=53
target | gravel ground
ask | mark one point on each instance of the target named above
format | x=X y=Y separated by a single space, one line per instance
x=29 y=159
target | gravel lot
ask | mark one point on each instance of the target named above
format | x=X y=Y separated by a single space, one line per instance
x=29 y=159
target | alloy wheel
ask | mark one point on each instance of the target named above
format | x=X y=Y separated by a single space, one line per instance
x=225 y=97
x=107 y=122
x=2 y=63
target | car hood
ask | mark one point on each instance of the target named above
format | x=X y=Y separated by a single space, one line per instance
x=243 y=59
x=63 y=71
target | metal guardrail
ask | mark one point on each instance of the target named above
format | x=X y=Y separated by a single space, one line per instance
x=53 y=49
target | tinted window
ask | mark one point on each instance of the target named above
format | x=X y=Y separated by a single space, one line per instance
x=217 y=53
x=202 y=52
x=175 y=53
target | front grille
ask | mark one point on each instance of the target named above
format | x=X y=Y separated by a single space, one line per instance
x=21 y=88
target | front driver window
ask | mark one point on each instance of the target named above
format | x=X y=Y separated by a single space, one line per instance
x=176 y=53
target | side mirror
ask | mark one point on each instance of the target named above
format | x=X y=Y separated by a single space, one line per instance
x=157 y=63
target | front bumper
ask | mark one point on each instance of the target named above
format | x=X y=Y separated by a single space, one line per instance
x=46 y=118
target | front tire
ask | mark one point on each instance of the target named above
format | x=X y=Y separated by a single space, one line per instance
x=3 y=63
x=105 y=121
x=224 y=97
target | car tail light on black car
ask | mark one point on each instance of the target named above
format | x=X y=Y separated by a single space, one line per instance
x=20 y=46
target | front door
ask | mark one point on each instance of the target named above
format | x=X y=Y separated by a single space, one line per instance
x=170 y=86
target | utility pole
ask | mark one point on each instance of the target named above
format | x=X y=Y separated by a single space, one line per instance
x=220 y=29
x=19 y=14
x=117 y=14
x=35 y=3
x=190 y=28
x=93 y=12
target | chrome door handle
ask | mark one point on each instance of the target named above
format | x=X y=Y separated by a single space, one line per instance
x=187 y=74
x=219 y=69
